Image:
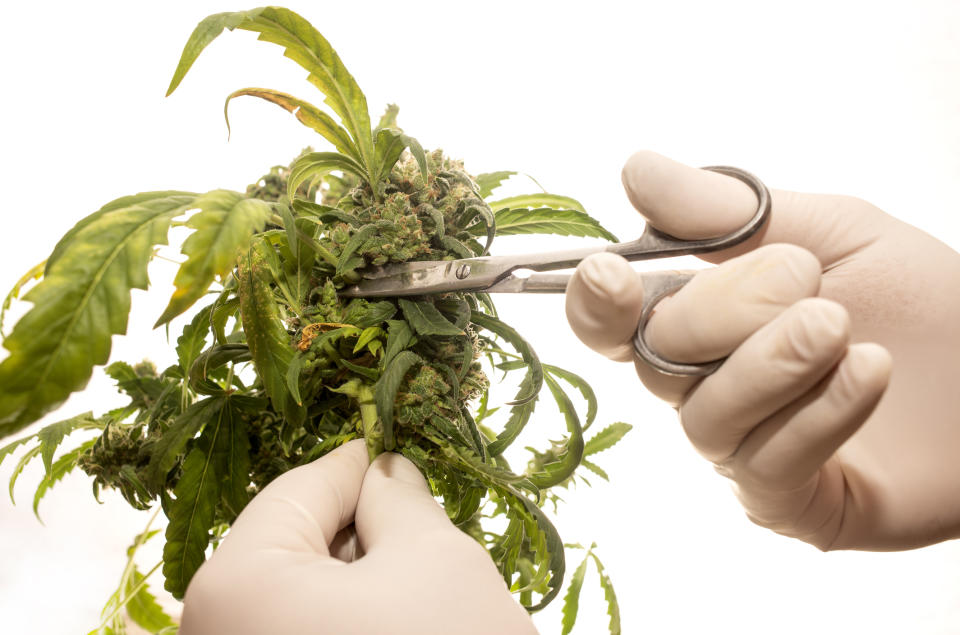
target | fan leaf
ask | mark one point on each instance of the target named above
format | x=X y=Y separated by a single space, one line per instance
x=316 y=164
x=613 y=607
x=426 y=319
x=197 y=492
x=490 y=181
x=581 y=385
x=606 y=438
x=266 y=335
x=35 y=273
x=83 y=300
x=306 y=113
x=389 y=145
x=61 y=467
x=571 y=453
x=571 y=600
x=164 y=455
x=535 y=368
x=304 y=45
x=385 y=392
x=224 y=225
x=545 y=220
x=143 y=608
x=542 y=199
x=52 y=435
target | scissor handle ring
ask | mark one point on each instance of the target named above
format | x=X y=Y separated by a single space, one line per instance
x=667 y=286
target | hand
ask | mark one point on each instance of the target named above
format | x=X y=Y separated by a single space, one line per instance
x=293 y=562
x=821 y=442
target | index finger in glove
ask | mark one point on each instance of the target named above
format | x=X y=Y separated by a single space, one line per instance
x=303 y=509
x=705 y=320
x=692 y=203
x=396 y=505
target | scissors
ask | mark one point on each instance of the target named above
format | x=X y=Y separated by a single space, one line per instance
x=496 y=274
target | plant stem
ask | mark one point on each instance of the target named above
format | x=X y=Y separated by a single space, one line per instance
x=368 y=415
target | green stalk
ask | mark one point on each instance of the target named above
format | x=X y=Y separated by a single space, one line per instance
x=362 y=393
x=368 y=414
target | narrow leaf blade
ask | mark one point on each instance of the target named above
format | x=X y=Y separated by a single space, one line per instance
x=563 y=222
x=571 y=600
x=385 y=392
x=426 y=319
x=606 y=438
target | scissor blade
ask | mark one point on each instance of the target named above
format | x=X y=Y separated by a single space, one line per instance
x=425 y=277
x=535 y=283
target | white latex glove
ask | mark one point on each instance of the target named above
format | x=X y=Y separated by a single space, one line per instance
x=820 y=441
x=292 y=563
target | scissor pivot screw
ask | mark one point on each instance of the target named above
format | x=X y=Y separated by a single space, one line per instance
x=463 y=271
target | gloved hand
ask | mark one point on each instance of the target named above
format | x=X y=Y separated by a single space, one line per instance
x=292 y=563
x=821 y=442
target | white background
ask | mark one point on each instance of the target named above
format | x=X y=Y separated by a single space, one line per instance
x=850 y=97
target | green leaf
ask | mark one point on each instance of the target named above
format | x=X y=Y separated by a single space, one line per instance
x=593 y=467
x=540 y=199
x=480 y=210
x=366 y=337
x=580 y=384
x=305 y=46
x=399 y=337
x=613 y=607
x=426 y=319
x=82 y=301
x=18 y=469
x=293 y=377
x=389 y=117
x=305 y=112
x=519 y=417
x=61 y=467
x=571 y=453
x=213 y=358
x=193 y=339
x=370 y=313
x=535 y=369
x=35 y=273
x=388 y=146
x=170 y=445
x=267 y=337
x=234 y=465
x=544 y=220
x=571 y=600
x=10 y=448
x=549 y=548
x=224 y=225
x=364 y=371
x=197 y=492
x=143 y=608
x=356 y=241
x=385 y=392
x=324 y=213
x=490 y=181
x=316 y=164
x=51 y=435
x=606 y=438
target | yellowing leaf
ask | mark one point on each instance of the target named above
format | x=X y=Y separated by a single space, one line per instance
x=306 y=113
x=304 y=45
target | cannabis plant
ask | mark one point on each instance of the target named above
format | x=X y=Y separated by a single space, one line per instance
x=276 y=368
